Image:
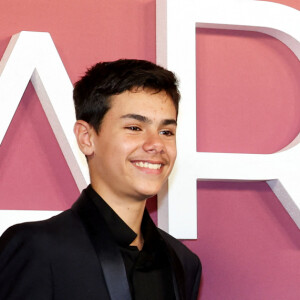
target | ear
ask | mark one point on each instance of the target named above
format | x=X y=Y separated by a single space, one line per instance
x=84 y=135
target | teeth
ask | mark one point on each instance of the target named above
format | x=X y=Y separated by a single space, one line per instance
x=148 y=165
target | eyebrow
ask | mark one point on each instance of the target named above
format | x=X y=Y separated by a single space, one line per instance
x=169 y=122
x=145 y=119
x=137 y=117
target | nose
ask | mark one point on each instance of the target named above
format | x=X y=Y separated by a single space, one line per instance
x=154 y=144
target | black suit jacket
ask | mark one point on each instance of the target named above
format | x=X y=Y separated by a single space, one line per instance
x=73 y=257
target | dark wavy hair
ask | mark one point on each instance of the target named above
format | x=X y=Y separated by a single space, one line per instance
x=93 y=91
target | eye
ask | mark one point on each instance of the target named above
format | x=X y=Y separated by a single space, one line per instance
x=167 y=132
x=133 y=128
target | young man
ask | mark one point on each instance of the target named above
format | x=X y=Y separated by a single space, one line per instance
x=106 y=246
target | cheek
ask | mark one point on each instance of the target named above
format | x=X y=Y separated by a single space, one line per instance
x=172 y=152
x=125 y=148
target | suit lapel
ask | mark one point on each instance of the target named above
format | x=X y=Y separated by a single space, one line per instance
x=177 y=273
x=177 y=270
x=107 y=250
x=176 y=266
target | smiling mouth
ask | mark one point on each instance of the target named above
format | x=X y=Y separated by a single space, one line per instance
x=148 y=165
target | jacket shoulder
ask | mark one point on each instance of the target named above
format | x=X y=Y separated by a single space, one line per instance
x=25 y=259
x=39 y=234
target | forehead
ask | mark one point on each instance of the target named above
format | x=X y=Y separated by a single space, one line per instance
x=143 y=101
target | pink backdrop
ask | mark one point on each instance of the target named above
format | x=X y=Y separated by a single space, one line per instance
x=248 y=101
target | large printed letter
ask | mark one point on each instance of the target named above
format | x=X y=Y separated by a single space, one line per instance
x=33 y=56
x=176 y=22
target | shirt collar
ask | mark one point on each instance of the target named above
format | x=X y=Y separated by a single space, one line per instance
x=152 y=238
x=121 y=232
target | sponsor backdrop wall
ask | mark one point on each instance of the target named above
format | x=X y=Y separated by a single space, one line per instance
x=248 y=101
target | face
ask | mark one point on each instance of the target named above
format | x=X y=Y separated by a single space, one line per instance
x=135 y=149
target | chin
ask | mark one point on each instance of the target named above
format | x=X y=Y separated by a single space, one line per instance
x=148 y=193
x=147 y=189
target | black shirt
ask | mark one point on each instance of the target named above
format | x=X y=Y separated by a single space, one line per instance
x=148 y=271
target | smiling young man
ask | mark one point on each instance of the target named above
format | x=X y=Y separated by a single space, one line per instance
x=106 y=246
